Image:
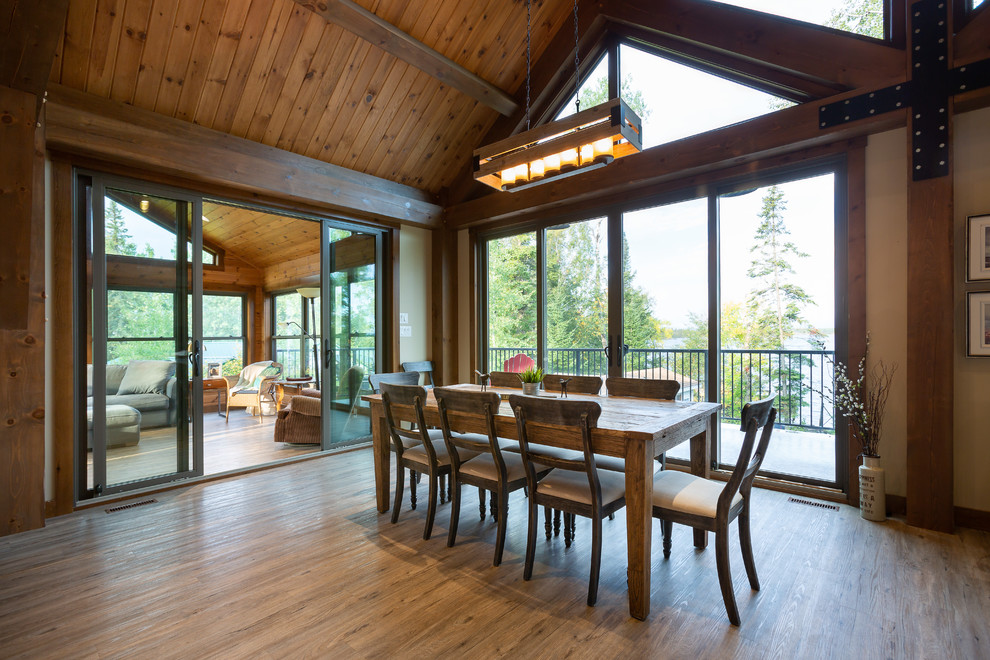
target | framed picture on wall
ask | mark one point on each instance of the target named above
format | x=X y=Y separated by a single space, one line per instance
x=978 y=248
x=978 y=304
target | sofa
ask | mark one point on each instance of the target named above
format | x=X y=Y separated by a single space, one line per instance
x=147 y=386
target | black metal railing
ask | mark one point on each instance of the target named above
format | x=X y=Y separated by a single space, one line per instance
x=797 y=377
x=292 y=361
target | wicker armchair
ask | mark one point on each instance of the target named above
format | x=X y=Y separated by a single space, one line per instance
x=249 y=388
x=299 y=422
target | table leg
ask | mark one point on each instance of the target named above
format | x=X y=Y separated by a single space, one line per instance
x=701 y=466
x=639 y=526
x=379 y=436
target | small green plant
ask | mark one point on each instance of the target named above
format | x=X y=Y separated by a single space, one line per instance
x=532 y=375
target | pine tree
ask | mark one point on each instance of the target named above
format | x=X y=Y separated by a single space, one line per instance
x=775 y=305
x=117 y=237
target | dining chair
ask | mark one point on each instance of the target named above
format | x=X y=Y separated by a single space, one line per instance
x=396 y=378
x=484 y=464
x=405 y=378
x=504 y=379
x=415 y=449
x=575 y=384
x=643 y=388
x=710 y=505
x=576 y=487
x=424 y=367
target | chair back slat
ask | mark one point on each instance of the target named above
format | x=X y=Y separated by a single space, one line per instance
x=425 y=367
x=396 y=378
x=575 y=385
x=756 y=415
x=411 y=396
x=504 y=379
x=518 y=363
x=643 y=388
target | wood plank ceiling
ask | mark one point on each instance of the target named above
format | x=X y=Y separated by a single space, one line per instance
x=274 y=72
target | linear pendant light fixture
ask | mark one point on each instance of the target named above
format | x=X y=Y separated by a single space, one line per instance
x=584 y=141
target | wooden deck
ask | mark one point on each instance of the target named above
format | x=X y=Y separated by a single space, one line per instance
x=295 y=562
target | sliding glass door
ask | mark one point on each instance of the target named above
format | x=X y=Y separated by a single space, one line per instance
x=352 y=287
x=143 y=337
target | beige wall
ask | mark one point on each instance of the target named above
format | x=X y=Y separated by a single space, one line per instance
x=971 y=418
x=886 y=287
x=886 y=236
x=415 y=277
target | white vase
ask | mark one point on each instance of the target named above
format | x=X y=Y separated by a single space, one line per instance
x=872 y=493
x=531 y=388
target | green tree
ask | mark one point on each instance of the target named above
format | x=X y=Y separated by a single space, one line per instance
x=512 y=291
x=775 y=304
x=117 y=238
x=859 y=17
x=595 y=92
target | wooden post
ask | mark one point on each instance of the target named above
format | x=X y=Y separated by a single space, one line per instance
x=22 y=315
x=444 y=343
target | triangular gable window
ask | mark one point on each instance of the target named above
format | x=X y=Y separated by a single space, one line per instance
x=864 y=17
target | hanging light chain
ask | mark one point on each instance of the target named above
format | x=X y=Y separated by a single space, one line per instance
x=528 y=61
x=577 y=63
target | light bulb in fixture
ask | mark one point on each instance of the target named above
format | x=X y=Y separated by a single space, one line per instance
x=569 y=160
x=603 y=150
x=587 y=154
x=145 y=205
x=536 y=170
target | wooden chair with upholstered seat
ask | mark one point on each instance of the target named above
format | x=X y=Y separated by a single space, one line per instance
x=643 y=388
x=404 y=378
x=504 y=379
x=425 y=367
x=575 y=384
x=711 y=505
x=576 y=486
x=414 y=449
x=483 y=464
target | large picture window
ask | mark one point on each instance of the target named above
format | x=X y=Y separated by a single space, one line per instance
x=632 y=294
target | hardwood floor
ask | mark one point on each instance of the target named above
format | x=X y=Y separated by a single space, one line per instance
x=295 y=562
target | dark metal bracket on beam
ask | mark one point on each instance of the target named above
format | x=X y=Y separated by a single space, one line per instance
x=927 y=93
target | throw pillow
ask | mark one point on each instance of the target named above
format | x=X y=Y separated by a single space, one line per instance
x=146 y=377
x=269 y=372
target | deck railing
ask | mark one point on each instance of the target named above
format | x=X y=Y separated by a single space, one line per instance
x=797 y=377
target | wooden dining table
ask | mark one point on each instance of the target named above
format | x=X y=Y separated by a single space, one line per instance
x=637 y=430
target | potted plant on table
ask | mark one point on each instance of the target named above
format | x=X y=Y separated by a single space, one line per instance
x=531 y=379
x=862 y=398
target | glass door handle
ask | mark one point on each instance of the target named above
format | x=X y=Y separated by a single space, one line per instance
x=194 y=359
x=607 y=351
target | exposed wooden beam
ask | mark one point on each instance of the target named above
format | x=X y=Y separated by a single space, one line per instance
x=82 y=124
x=782 y=132
x=817 y=54
x=29 y=34
x=972 y=42
x=358 y=20
x=747 y=72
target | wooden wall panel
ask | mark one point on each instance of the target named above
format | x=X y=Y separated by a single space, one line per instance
x=22 y=333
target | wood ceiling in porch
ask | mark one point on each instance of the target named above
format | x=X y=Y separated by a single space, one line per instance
x=274 y=72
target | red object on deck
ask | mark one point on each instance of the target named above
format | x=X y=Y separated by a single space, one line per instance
x=518 y=363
